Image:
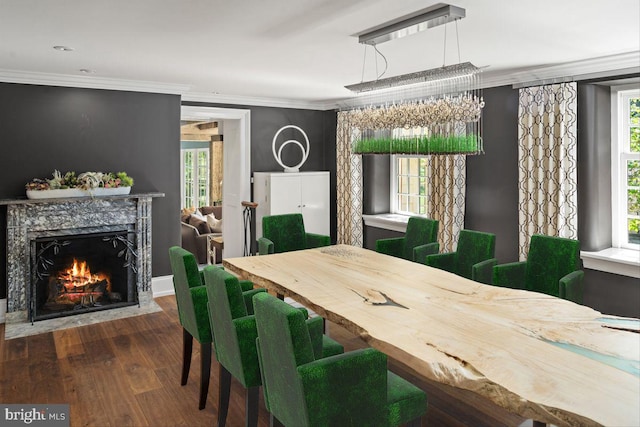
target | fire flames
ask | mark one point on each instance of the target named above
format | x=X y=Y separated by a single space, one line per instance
x=76 y=284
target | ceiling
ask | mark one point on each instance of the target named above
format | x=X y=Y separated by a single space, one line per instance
x=298 y=51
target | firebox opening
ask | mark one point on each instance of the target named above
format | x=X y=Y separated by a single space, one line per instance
x=81 y=273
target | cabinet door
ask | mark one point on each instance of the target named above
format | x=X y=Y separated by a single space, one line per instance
x=315 y=202
x=285 y=194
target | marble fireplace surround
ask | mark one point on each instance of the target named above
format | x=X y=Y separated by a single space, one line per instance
x=28 y=220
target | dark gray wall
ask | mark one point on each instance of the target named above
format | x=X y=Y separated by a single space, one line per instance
x=376 y=170
x=594 y=174
x=43 y=128
x=492 y=178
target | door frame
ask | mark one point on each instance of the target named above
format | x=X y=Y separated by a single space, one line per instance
x=239 y=147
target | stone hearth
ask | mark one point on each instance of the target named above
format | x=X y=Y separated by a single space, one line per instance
x=28 y=220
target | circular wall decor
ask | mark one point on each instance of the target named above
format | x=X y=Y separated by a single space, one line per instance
x=305 y=152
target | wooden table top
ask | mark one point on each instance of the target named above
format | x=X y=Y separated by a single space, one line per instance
x=537 y=356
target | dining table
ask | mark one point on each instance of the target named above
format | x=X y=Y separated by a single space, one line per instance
x=536 y=355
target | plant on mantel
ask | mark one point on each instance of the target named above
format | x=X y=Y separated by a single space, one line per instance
x=83 y=181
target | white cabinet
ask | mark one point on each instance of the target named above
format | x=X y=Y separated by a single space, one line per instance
x=302 y=192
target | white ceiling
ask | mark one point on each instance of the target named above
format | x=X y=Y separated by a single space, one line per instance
x=296 y=50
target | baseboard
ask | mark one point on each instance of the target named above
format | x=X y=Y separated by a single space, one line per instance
x=162 y=286
x=3 y=309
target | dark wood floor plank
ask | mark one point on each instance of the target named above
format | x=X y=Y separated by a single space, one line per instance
x=15 y=383
x=15 y=349
x=67 y=342
x=139 y=372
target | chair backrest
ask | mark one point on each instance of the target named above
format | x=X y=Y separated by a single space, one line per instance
x=285 y=231
x=225 y=304
x=419 y=231
x=473 y=247
x=186 y=276
x=550 y=259
x=283 y=344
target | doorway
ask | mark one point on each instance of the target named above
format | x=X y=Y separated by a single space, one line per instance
x=236 y=180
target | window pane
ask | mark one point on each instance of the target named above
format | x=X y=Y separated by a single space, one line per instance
x=634 y=139
x=634 y=230
x=414 y=188
x=633 y=173
x=403 y=187
x=634 y=111
x=633 y=202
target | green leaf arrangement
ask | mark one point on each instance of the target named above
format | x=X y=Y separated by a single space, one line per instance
x=436 y=144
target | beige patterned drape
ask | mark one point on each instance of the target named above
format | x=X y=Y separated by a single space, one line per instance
x=349 y=185
x=446 y=183
x=547 y=163
x=215 y=188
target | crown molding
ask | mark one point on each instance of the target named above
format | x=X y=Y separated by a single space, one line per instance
x=606 y=66
x=213 y=98
x=90 y=82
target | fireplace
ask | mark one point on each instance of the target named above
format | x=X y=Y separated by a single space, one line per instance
x=82 y=273
x=109 y=235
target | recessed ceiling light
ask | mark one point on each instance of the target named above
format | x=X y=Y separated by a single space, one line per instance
x=63 y=48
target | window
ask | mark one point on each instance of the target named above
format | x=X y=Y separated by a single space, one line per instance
x=626 y=169
x=194 y=165
x=409 y=192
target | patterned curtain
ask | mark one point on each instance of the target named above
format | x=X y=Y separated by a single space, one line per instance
x=446 y=188
x=349 y=185
x=215 y=161
x=547 y=163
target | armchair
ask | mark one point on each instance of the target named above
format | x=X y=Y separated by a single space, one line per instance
x=284 y=233
x=234 y=334
x=350 y=389
x=420 y=240
x=474 y=256
x=552 y=267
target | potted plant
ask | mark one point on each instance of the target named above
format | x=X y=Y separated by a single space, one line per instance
x=82 y=185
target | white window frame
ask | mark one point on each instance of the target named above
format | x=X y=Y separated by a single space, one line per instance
x=196 y=178
x=620 y=155
x=394 y=185
x=395 y=209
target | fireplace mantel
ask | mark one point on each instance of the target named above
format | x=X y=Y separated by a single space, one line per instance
x=28 y=219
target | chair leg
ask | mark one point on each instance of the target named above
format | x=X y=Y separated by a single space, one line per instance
x=251 y=410
x=187 y=346
x=224 y=381
x=205 y=373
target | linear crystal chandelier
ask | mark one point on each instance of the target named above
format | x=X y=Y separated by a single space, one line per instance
x=436 y=111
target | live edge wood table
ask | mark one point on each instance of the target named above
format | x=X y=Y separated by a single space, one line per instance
x=538 y=356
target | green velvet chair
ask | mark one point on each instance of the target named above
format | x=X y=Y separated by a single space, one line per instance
x=234 y=335
x=474 y=256
x=420 y=239
x=350 y=389
x=552 y=267
x=284 y=233
x=191 y=298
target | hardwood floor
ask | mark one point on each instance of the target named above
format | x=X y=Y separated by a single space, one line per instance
x=127 y=373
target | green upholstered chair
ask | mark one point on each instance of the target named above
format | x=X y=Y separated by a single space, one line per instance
x=474 y=256
x=191 y=297
x=234 y=336
x=284 y=233
x=552 y=267
x=420 y=239
x=350 y=389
